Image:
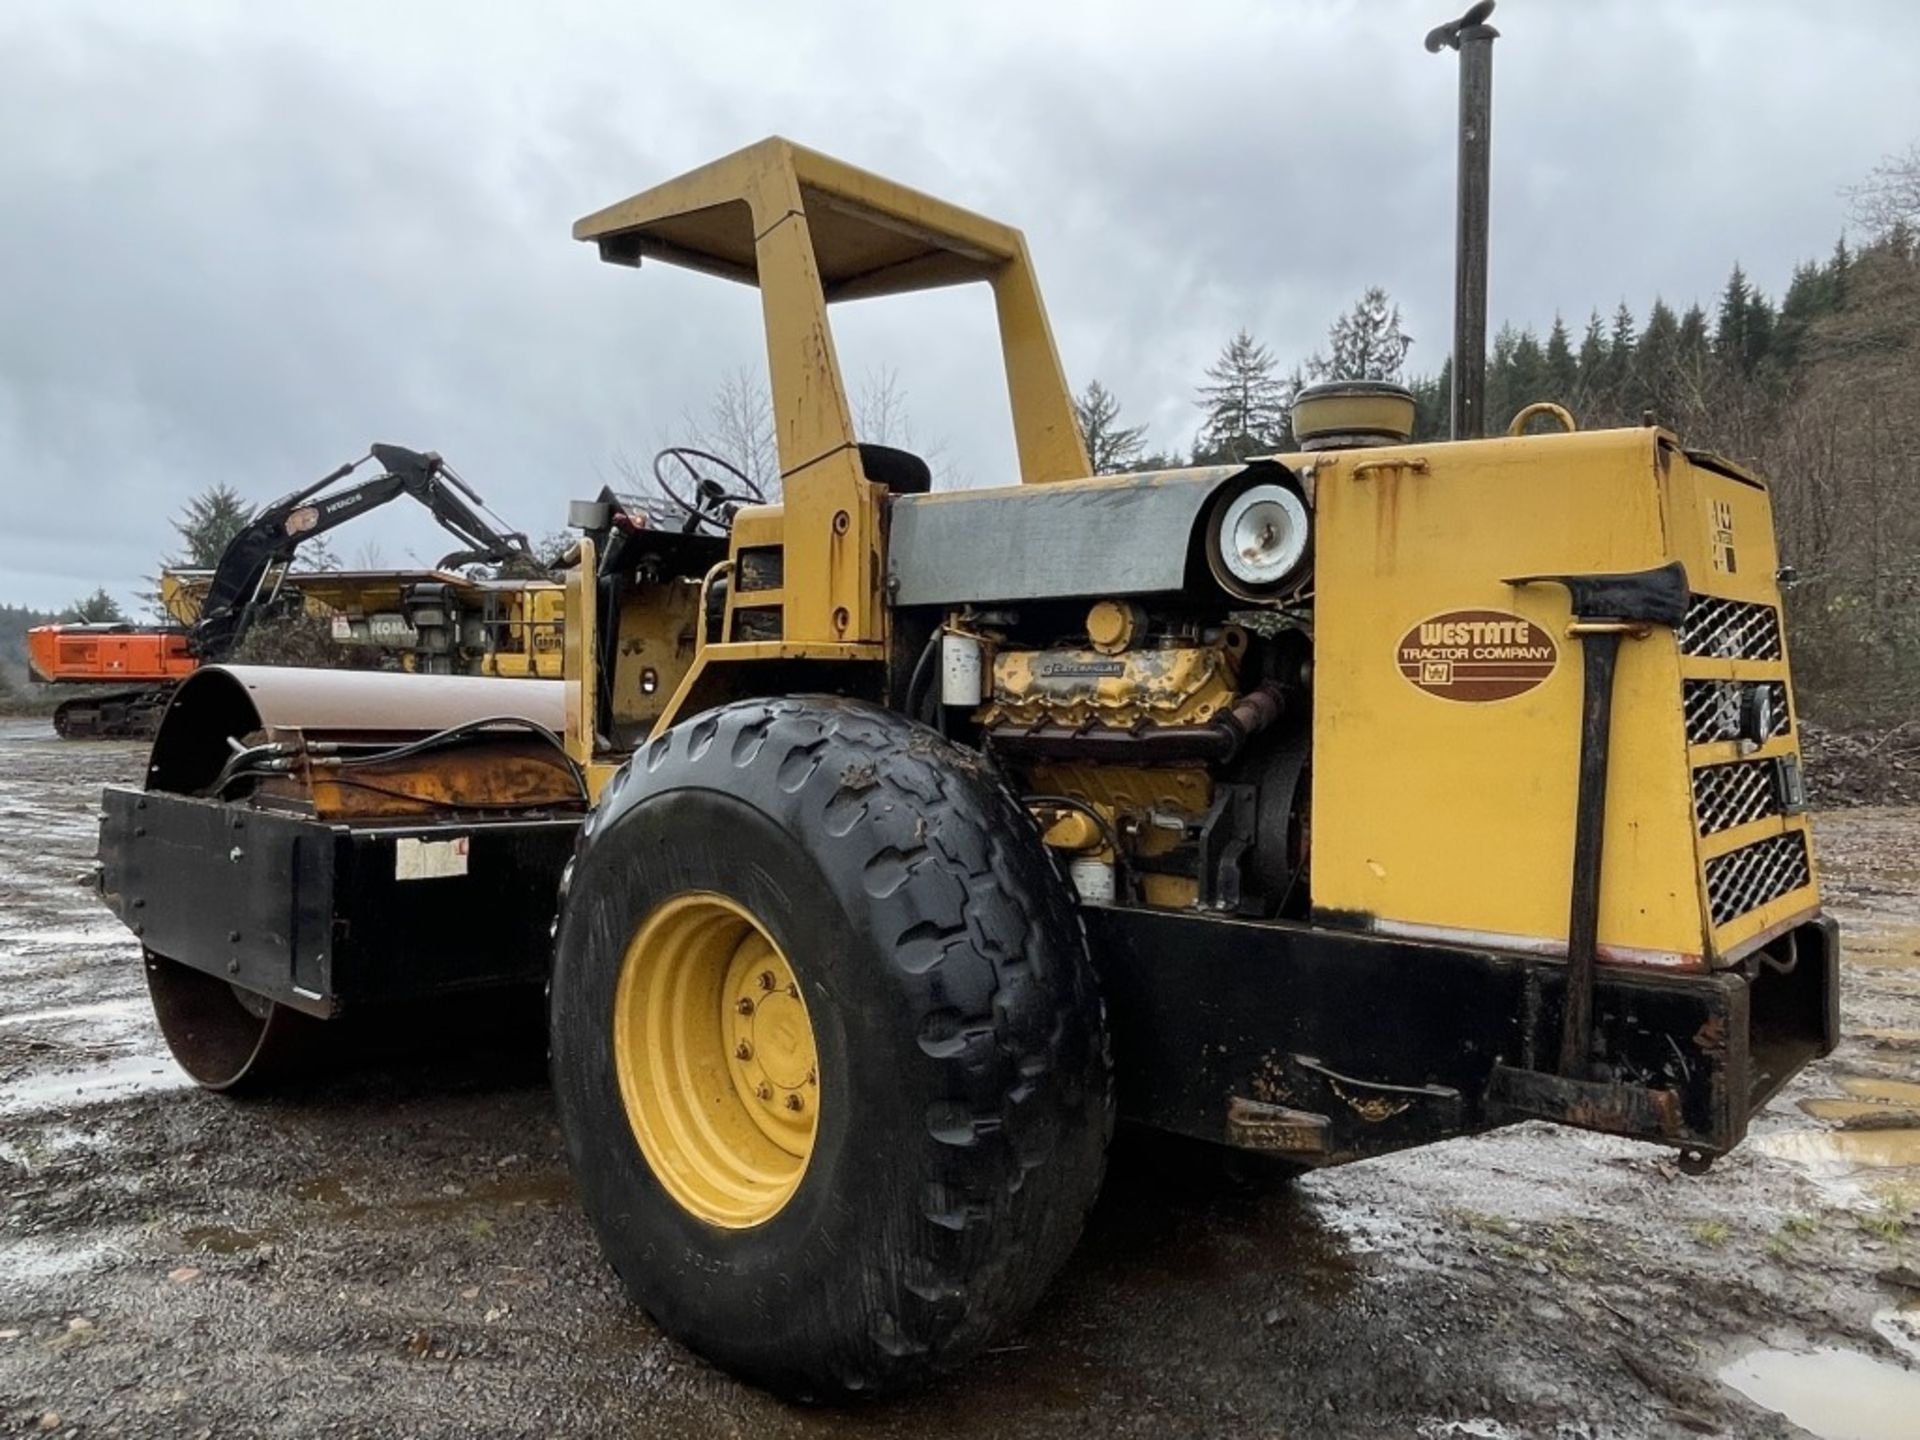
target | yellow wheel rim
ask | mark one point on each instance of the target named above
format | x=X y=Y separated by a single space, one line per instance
x=716 y=1060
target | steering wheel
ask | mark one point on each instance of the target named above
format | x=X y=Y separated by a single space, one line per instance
x=712 y=504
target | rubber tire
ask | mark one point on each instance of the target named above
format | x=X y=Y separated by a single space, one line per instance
x=966 y=1088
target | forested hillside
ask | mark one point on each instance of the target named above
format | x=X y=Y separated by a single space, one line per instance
x=1821 y=394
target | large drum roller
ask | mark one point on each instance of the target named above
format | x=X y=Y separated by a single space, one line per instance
x=386 y=837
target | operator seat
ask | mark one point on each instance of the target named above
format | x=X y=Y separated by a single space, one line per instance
x=901 y=471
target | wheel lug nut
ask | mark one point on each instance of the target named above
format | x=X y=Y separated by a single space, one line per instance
x=794 y=1102
x=744 y=1005
x=766 y=980
x=763 y=1090
x=743 y=1051
x=793 y=990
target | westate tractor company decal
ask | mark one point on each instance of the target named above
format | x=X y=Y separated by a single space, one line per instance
x=1476 y=655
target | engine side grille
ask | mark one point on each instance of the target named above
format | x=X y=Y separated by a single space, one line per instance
x=1747 y=878
x=1712 y=708
x=1729 y=629
x=1728 y=795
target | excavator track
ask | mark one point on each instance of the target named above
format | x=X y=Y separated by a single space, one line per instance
x=118 y=715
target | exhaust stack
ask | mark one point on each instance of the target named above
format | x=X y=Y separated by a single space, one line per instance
x=1473 y=38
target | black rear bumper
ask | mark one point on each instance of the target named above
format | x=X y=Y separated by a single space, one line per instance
x=1330 y=1046
x=1325 y=1045
x=325 y=917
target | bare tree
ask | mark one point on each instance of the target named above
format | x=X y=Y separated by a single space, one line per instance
x=317 y=554
x=1890 y=195
x=737 y=425
x=883 y=416
x=880 y=412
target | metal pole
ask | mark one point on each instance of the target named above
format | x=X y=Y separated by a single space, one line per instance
x=1473 y=38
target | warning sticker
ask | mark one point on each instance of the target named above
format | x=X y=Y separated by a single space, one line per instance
x=1476 y=655
x=429 y=859
x=1720 y=533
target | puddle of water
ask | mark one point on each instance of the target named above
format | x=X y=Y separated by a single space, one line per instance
x=1885 y=945
x=1842 y=1152
x=114 y=1080
x=323 y=1190
x=222 y=1239
x=1834 y=1394
x=1863 y=1114
x=1894 y=1092
x=1881 y=1037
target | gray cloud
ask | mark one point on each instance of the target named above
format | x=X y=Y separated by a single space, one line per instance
x=239 y=242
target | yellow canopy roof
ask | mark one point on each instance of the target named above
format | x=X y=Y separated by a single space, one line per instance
x=870 y=235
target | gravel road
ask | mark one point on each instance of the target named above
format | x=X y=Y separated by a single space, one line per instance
x=396 y=1251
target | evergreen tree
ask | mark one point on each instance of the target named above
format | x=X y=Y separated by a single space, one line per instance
x=1529 y=382
x=1433 y=404
x=1693 y=368
x=1619 y=368
x=1366 y=343
x=1656 y=360
x=211 y=519
x=1621 y=342
x=1111 y=446
x=1805 y=301
x=1502 y=400
x=1835 y=275
x=1592 y=365
x=1694 y=346
x=95 y=609
x=1756 y=340
x=1562 y=374
x=1730 y=329
x=1898 y=243
x=1246 y=404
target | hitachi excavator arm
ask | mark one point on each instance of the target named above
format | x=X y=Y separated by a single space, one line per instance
x=249 y=568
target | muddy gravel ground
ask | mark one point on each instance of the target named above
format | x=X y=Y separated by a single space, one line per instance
x=396 y=1250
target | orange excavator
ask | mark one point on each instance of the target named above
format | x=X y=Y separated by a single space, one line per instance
x=144 y=662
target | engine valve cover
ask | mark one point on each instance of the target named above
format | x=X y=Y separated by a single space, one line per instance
x=1175 y=685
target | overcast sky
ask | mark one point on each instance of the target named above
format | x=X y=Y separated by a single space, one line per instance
x=240 y=241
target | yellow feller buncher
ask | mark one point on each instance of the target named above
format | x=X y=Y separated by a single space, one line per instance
x=881 y=847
